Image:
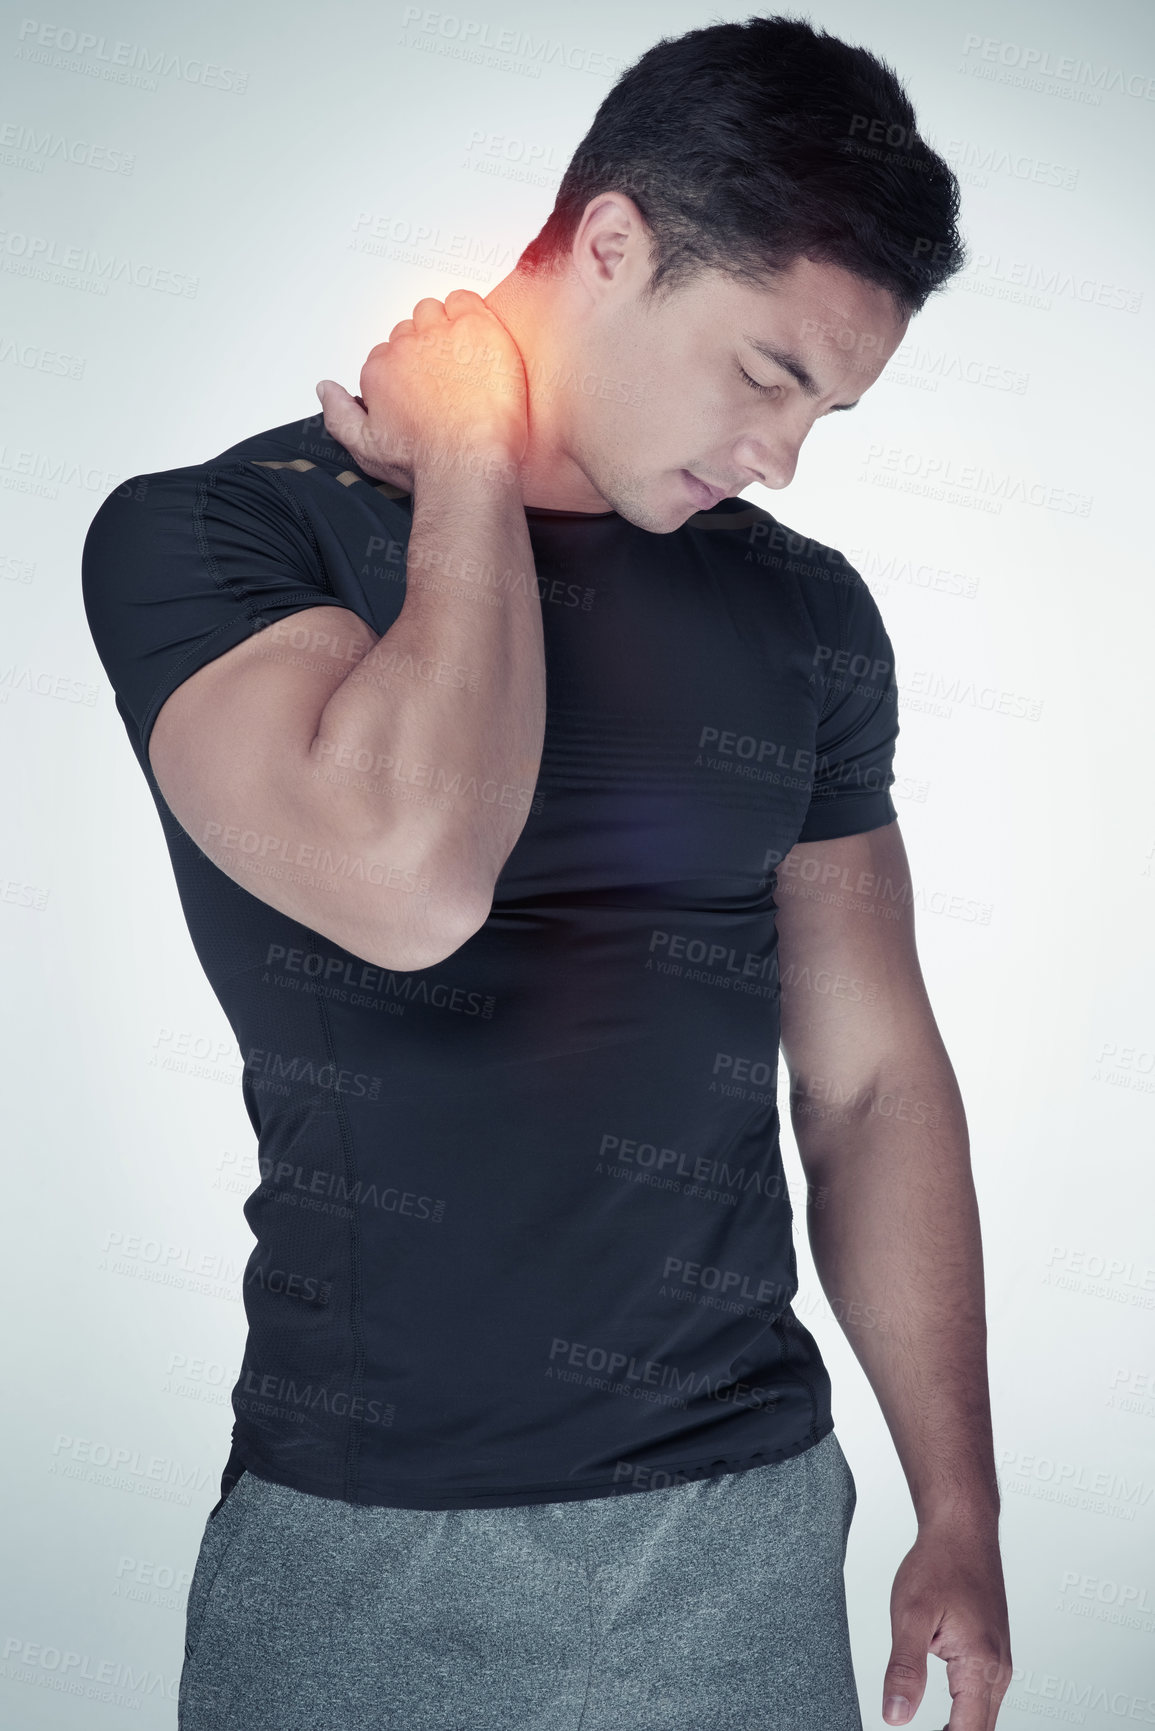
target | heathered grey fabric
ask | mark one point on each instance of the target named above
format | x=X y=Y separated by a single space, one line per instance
x=713 y=1606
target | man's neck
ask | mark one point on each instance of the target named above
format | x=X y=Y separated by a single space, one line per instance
x=531 y=312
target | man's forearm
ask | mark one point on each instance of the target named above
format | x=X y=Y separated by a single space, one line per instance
x=448 y=708
x=894 y=1230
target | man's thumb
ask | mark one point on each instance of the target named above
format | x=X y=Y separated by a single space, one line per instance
x=903 y=1686
x=338 y=411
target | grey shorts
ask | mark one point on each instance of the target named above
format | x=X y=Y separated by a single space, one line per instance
x=712 y=1606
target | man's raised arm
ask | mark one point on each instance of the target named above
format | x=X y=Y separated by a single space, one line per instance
x=426 y=779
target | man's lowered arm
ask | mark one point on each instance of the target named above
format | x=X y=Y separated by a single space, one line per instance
x=894 y=1230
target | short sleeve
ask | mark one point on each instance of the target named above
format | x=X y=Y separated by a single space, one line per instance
x=858 y=724
x=180 y=566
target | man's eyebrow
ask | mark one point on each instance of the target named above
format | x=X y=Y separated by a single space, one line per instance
x=792 y=365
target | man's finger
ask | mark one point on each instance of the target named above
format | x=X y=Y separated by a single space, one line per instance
x=977 y=1685
x=464 y=300
x=970 y=1712
x=343 y=418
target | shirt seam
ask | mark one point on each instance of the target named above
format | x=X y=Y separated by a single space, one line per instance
x=356 y=1319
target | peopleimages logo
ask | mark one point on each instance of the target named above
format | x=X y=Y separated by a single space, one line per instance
x=122 y=62
x=624 y=1368
x=1040 y=63
x=276 y=1066
x=335 y=1402
x=920 y=470
x=285 y=1283
x=727 y=1282
x=294 y=1183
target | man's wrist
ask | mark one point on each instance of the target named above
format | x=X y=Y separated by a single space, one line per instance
x=489 y=465
x=976 y=1510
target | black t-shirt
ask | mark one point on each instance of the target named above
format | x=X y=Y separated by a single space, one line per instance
x=522 y=1230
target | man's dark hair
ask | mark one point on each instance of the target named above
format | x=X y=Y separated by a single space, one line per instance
x=748 y=146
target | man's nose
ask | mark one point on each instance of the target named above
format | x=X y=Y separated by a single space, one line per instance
x=773 y=461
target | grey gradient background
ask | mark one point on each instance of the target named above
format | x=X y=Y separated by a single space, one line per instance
x=183 y=252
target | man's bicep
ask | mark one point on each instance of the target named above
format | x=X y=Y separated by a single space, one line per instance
x=852 y=993
x=181 y=566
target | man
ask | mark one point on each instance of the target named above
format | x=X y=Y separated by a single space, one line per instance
x=522 y=786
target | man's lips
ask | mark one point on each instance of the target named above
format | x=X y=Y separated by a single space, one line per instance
x=703 y=493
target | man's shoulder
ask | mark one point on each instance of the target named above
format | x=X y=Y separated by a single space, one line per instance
x=257 y=473
x=297 y=446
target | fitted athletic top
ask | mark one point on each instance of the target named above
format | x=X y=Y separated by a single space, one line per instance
x=522 y=1228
